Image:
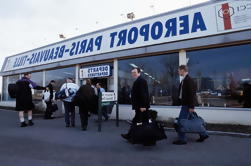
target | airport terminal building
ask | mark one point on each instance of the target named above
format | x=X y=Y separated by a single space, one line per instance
x=213 y=39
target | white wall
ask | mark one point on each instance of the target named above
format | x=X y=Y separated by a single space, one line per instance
x=210 y=115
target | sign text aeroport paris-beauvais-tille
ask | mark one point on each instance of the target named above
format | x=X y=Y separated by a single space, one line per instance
x=157 y=30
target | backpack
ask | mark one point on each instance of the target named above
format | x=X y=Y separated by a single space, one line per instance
x=12 y=90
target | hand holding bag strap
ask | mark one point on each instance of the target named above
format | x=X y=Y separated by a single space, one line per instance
x=192 y=115
x=140 y=119
x=147 y=116
x=67 y=90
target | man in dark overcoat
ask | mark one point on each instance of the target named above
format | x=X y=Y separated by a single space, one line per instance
x=187 y=99
x=86 y=100
x=24 y=98
x=140 y=99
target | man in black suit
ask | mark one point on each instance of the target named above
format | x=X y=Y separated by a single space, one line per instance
x=140 y=99
x=187 y=98
x=139 y=96
x=86 y=99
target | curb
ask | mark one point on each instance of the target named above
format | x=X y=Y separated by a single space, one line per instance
x=222 y=133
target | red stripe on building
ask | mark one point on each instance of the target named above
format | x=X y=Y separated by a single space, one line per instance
x=226 y=16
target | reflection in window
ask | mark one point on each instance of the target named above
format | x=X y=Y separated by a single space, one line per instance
x=59 y=75
x=160 y=73
x=37 y=77
x=223 y=75
x=5 y=89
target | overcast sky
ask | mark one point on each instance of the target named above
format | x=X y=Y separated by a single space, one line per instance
x=28 y=24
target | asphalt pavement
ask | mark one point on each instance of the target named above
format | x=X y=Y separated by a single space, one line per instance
x=49 y=143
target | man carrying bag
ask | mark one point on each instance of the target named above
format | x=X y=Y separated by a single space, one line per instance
x=187 y=98
x=142 y=130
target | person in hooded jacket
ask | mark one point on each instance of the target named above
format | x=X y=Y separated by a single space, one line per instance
x=69 y=105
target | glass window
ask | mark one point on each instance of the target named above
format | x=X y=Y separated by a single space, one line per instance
x=223 y=75
x=59 y=75
x=5 y=89
x=160 y=73
x=37 y=77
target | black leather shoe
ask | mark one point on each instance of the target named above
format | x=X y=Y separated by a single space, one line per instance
x=202 y=138
x=179 y=142
x=23 y=124
x=125 y=136
x=152 y=143
x=84 y=128
x=30 y=123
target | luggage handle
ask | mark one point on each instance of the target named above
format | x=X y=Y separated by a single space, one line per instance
x=192 y=115
x=141 y=118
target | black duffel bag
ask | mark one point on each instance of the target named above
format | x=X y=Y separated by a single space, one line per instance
x=147 y=133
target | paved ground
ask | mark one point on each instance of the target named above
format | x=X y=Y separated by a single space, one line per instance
x=49 y=143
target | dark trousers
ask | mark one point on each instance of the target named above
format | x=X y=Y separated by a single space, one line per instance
x=83 y=112
x=48 y=111
x=184 y=113
x=140 y=116
x=104 y=111
x=69 y=113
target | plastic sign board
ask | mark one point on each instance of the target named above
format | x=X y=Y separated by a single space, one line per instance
x=233 y=15
x=98 y=71
x=201 y=21
x=108 y=96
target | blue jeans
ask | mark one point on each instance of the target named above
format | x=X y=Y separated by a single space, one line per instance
x=184 y=113
x=69 y=113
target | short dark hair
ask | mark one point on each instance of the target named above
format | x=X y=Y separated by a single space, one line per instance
x=88 y=82
x=100 y=84
x=25 y=74
x=183 y=67
x=70 y=78
x=53 y=81
x=138 y=69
